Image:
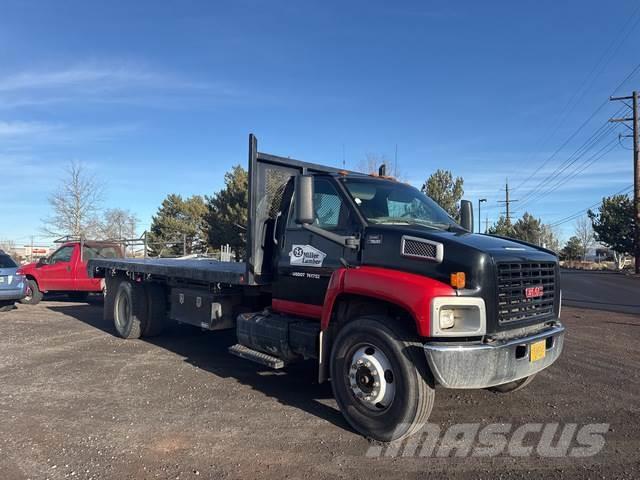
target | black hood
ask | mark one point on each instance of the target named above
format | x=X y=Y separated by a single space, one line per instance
x=475 y=254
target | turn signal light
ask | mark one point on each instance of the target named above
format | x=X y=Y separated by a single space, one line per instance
x=458 y=280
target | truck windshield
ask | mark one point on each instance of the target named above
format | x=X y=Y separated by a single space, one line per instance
x=396 y=203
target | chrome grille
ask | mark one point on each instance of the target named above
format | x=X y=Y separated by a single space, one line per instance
x=421 y=248
x=513 y=281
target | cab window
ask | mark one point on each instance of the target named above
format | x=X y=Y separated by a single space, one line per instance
x=331 y=211
x=99 y=252
x=62 y=255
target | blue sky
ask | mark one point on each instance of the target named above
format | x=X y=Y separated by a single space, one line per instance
x=159 y=97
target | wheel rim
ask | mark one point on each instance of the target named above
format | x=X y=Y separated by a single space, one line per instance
x=29 y=294
x=371 y=378
x=123 y=311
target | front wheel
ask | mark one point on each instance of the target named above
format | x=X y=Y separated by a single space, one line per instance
x=380 y=380
x=34 y=295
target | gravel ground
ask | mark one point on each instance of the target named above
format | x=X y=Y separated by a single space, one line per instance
x=77 y=402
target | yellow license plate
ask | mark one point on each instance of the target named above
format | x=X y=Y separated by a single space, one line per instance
x=537 y=350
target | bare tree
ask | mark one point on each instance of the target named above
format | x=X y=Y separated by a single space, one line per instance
x=118 y=223
x=8 y=246
x=75 y=204
x=372 y=162
x=584 y=233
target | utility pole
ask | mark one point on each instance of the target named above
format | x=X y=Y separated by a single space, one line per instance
x=31 y=252
x=636 y=166
x=507 y=201
x=395 y=163
x=486 y=224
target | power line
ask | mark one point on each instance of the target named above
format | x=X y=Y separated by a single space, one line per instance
x=605 y=150
x=588 y=82
x=575 y=215
x=589 y=143
x=579 y=129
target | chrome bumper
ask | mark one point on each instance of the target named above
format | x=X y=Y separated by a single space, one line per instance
x=486 y=365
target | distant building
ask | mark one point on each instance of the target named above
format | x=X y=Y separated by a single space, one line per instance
x=28 y=253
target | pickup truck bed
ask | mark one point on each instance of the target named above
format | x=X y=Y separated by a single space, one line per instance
x=204 y=270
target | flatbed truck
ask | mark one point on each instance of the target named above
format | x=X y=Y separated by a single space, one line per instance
x=368 y=277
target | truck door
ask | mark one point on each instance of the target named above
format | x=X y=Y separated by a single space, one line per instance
x=57 y=274
x=305 y=260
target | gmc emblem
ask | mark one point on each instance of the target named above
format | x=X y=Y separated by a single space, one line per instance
x=534 y=292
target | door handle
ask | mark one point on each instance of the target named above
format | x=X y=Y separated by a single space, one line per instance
x=68 y=268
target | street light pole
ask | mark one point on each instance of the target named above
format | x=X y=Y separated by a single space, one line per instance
x=480 y=200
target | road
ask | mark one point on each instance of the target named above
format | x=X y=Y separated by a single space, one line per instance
x=601 y=290
x=77 y=402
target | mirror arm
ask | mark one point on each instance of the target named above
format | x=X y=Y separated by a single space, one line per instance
x=346 y=241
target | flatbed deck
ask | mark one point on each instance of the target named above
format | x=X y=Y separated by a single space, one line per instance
x=201 y=269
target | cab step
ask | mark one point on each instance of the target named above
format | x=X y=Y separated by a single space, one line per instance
x=256 y=356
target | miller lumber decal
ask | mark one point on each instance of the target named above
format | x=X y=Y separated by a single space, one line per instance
x=306 y=255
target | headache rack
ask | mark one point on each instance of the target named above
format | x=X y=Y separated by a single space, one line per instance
x=513 y=281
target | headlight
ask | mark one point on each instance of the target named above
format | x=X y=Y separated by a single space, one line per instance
x=447 y=318
x=458 y=317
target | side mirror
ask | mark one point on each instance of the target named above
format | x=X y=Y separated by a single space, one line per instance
x=42 y=261
x=466 y=215
x=304 y=200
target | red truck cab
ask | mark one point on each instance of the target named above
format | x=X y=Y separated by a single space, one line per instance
x=65 y=270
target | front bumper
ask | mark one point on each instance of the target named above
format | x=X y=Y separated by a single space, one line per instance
x=486 y=365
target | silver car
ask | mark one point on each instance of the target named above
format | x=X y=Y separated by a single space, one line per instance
x=13 y=287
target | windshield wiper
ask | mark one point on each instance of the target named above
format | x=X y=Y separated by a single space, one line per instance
x=411 y=221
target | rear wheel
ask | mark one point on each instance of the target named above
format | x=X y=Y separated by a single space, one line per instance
x=129 y=309
x=110 y=290
x=34 y=295
x=156 y=318
x=379 y=379
x=513 y=386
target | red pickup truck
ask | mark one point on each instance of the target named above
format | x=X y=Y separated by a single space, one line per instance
x=66 y=270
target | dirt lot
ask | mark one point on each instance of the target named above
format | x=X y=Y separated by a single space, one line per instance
x=77 y=402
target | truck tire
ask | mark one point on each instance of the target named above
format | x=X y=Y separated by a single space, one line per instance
x=129 y=309
x=34 y=295
x=156 y=317
x=513 y=386
x=380 y=379
x=110 y=289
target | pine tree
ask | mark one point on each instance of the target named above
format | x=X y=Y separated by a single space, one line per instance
x=227 y=212
x=177 y=220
